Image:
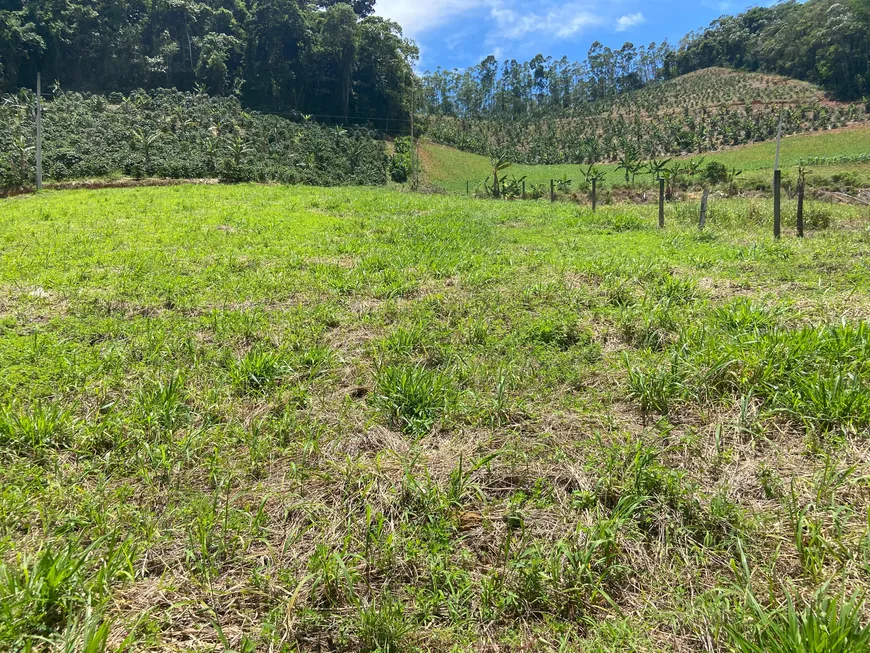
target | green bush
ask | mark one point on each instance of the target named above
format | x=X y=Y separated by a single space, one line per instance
x=400 y=162
x=716 y=173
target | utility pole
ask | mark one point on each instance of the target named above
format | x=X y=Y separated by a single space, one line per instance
x=38 y=131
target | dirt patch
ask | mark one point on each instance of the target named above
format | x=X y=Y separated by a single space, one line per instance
x=98 y=184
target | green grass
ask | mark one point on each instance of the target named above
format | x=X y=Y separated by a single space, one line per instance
x=449 y=168
x=276 y=418
x=851 y=141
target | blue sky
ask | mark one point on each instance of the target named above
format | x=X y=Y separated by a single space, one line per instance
x=460 y=33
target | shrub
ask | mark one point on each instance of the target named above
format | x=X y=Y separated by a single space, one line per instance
x=716 y=173
x=400 y=162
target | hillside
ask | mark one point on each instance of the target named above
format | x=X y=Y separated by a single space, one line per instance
x=843 y=152
x=180 y=135
x=695 y=114
x=822 y=41
x=713 y=88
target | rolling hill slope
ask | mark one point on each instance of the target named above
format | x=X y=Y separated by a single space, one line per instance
x=713 y=88
x=701 y=112
x=828 y=153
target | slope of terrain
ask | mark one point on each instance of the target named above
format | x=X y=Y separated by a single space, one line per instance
x=713 y=88
x=842 y=152
x=697 y=113
x=180 y=136
x=296 y=419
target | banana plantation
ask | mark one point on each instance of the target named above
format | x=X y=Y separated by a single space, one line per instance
x=615 y=133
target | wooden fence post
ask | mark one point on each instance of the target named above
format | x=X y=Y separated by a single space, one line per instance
x=800 y=209
x=661 y=203
x=594 y=194
x=777 y=215
x=702 y=222
x=552 y=191
x=524 y=189
x=38 y=131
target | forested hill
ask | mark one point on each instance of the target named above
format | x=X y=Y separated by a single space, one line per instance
x=320 y=57
x=825 y=42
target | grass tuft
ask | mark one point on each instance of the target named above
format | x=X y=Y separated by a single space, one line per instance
x=413 y=398
x=36 y=428
x=257 y=372
x=825 y=625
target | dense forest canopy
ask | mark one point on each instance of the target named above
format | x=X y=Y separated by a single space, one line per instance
x=323 y=57
x=821 y=41
x=335 y=60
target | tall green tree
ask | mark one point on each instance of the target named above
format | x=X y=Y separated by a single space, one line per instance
x=320 y=57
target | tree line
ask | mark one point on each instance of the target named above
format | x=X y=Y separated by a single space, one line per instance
x=542 y=86
x=821 y=41
x=315 y=57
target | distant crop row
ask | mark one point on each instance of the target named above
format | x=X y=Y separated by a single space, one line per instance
x=713 y=88
x=608 y=137
x=179 y=135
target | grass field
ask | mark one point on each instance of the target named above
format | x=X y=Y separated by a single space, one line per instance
x=295 y=419
x=449 y=168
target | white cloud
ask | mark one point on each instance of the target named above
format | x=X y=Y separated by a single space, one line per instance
x=417 y=16
x=507 y=19
x=561 y=20
x=628 y=21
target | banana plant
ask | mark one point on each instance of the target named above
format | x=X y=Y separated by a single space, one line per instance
x=671 y=176
x=238 y=149
x=656 y=166
x=626 y=162
x=592 y=173
x=339 y=133
x=733 y=174
x=212 y=149
x=498 y=164
x=145 y=142
x=513 y=187
x=693 y=167
x=630 y=163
